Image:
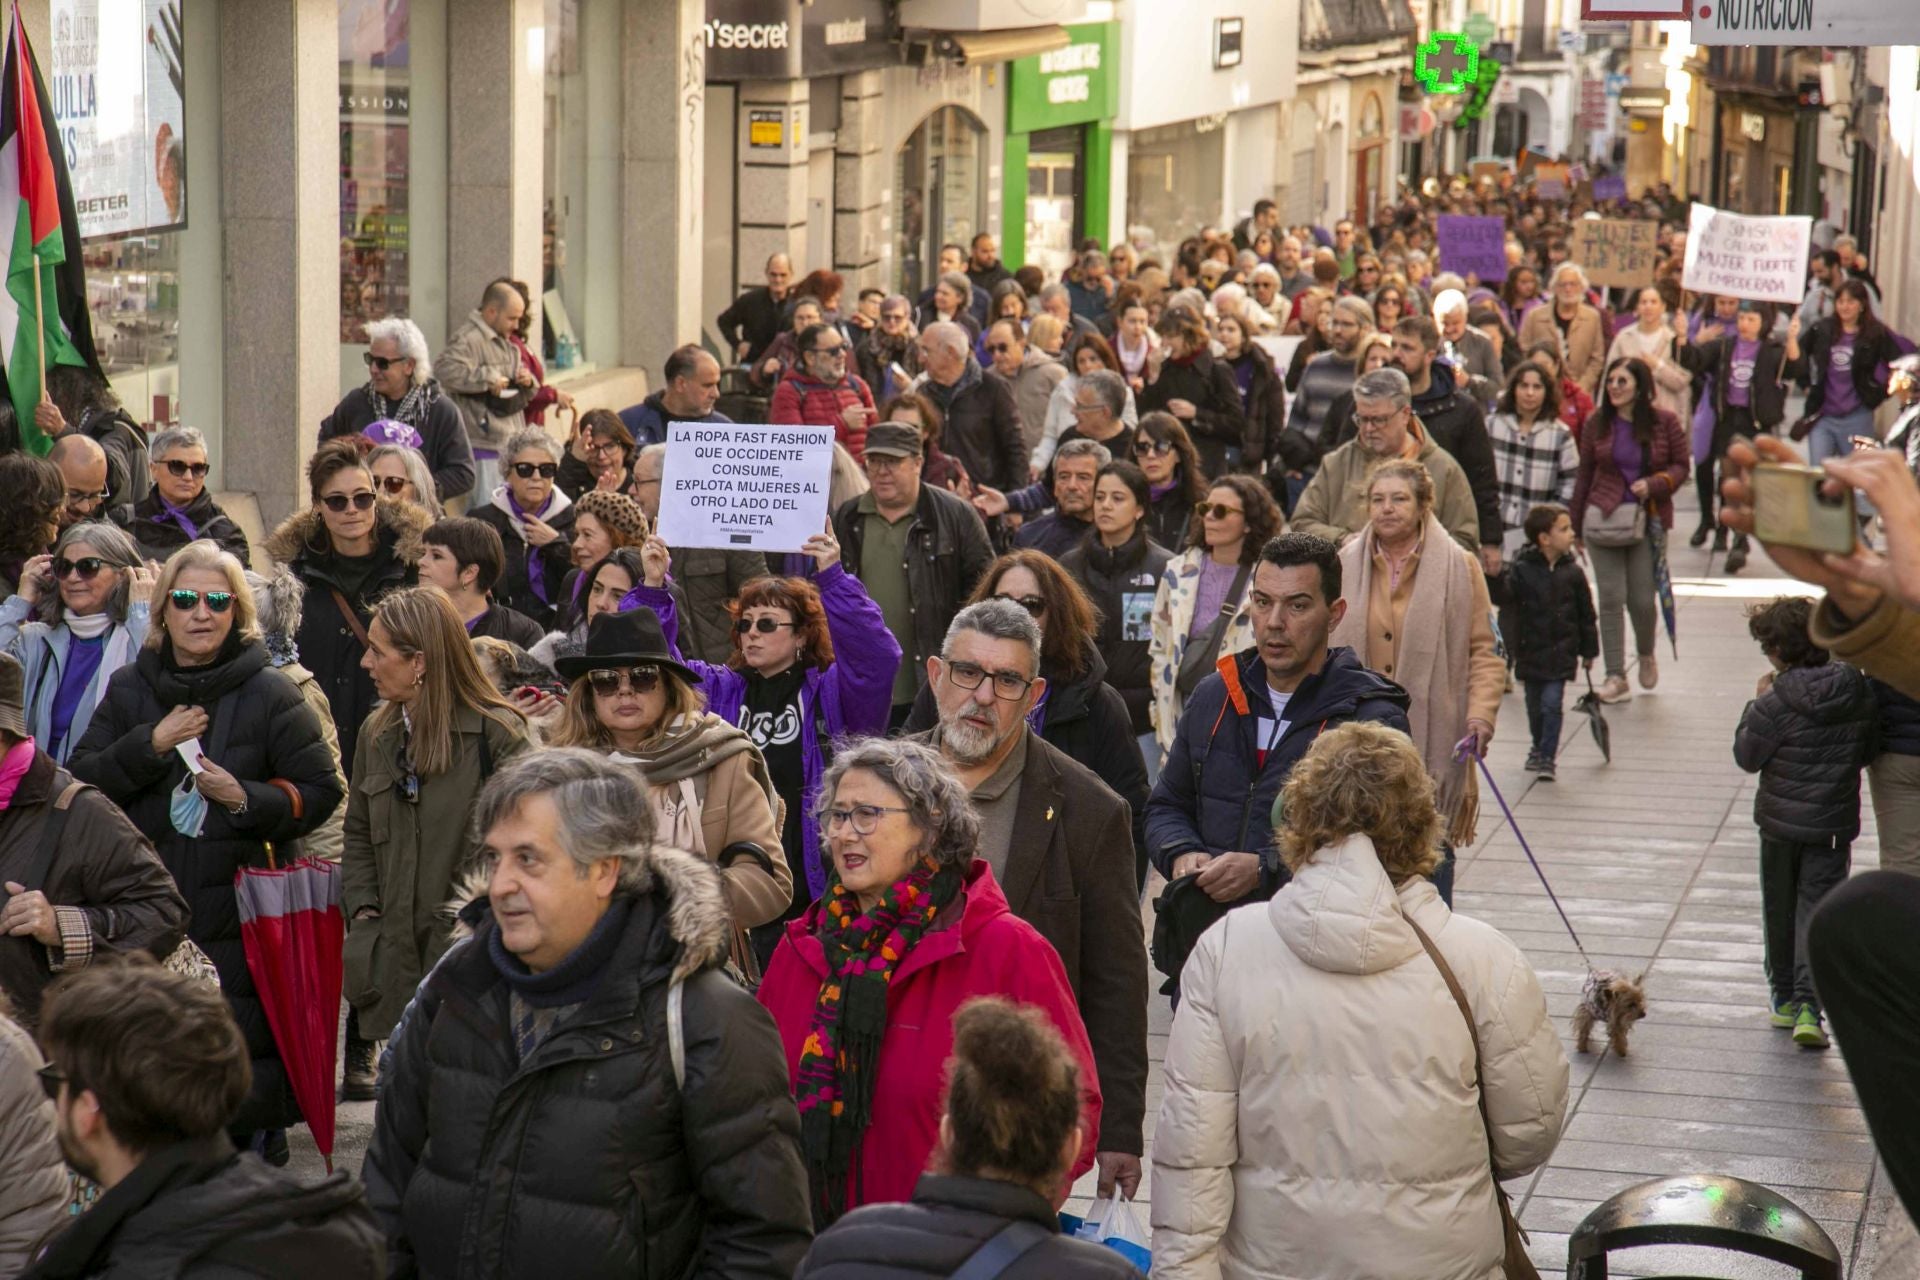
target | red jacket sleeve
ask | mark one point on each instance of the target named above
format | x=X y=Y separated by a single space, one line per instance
x=785 y=408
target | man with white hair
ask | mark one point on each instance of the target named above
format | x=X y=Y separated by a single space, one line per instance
x=1058 y=303
x=401 y=387
x=1467 y=351
x=1573 y=325
x=982 y=417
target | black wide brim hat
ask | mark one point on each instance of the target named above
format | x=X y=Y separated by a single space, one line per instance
x=627 y=639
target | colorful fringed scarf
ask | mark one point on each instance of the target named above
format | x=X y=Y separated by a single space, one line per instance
x=834 y=1084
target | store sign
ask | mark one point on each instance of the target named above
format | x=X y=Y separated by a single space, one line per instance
x=795 y=39
x=1634 y=10
x=1447 y=62
x=1828 y=23
x=1227 y=36
x=766 y=130
x=1747 y=257
x=118 y=86
x=1078 y=84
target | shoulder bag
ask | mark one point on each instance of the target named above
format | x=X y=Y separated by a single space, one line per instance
x=1196 y=664
x=1624 y=526
x=1516 y=1264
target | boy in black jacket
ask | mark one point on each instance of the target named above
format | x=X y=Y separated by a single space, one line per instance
x=1808 y=732
x=1549 y=625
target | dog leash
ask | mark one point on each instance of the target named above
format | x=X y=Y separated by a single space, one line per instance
x=1462 y=752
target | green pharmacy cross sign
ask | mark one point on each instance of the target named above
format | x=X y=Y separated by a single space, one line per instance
x=1447 y=62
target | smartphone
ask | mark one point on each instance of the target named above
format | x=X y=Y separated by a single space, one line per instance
x=1790 y=509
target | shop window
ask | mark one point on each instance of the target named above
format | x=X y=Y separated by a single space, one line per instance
x=375 y=114
x=939 y=175
x=580 y=198
x=1175 y=177
x=1055 y=158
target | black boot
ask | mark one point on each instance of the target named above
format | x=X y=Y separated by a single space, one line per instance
x=1699 y=538
x=357 y=1083
x=1719 y=538
x=1737 y=556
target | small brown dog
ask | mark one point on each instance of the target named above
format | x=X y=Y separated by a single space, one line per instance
x=1612 y=998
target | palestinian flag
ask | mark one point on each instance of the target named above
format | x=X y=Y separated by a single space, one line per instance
x=42 y=236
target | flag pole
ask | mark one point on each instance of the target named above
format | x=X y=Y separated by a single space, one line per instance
x=40 y=332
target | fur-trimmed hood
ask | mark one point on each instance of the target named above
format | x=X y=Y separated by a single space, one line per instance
x=396 y=524
x=692 y=888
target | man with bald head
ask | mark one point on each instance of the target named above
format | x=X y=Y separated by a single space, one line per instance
x=982 y=417
x=481 y=369
x=83 y=465
x=754 y=320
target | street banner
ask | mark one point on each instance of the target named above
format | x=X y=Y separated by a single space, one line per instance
x=1615 y=251
x=1813 y=23
x=1610 y=186
x=1473 y=244
x=1764 y=258
x=743 y=487
x=1550 y=181
x=119 y=90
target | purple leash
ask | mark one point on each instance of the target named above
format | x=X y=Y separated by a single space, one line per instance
x=1462 y=752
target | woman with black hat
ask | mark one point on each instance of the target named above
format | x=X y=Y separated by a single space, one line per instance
x=712 y=794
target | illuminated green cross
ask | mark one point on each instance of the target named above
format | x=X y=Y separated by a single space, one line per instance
x=1447 y=62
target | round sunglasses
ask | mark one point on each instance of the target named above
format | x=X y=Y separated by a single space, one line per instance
x=394 y=485
x=186 y=601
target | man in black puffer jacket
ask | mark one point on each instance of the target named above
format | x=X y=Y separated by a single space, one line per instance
x=1808 y=732
x=577 y=1089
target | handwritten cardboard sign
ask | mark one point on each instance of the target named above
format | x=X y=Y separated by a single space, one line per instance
x=1747 y=257
x=1473 y=244
x=1615 y=251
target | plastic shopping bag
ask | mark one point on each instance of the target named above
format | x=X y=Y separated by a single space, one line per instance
x=1116 y=1224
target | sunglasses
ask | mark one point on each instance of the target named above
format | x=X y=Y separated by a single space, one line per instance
x=1150 y=448
x=1219 y=510
x=829 y=351
x=51 y=1078
x=528 y=470
x=765 y=626
x=382 y=363
x=1032 y=604
x=640 y=679
x=181 y=470
x=394 y=485
x=339 y=502
x=185 y=601
x=88 y=567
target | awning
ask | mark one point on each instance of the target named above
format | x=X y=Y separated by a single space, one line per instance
x=970 y=47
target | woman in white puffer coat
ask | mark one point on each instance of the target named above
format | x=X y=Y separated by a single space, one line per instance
x=1320 y=1117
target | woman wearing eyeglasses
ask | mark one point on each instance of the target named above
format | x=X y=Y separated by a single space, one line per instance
x=178 y=508
x=812 y=663
x=400 y=473
x=254 y=771
x=80 y=616
x=632 y=699
x=1200 y=610
x=598 y=456
x=440 y=732
x=534 y=519
x=348 y=549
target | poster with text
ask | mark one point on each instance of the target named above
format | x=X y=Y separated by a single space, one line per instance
x=1616 y=252
x=744 y=487
x=1747 y=257
x=1473 y=245
x=118 y=82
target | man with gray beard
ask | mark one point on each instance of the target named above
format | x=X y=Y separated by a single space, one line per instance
x=1071 y=880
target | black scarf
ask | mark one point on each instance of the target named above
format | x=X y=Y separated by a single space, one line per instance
x=412 y=408
x=177 y=686
x=574 y=978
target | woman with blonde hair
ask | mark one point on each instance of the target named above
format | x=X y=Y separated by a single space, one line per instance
x=440 y=732
x=260 y=775
x=1288 y=1012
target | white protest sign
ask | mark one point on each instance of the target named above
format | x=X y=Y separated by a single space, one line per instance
x=1280 y=347
x=744 y=487
x=1747 y=257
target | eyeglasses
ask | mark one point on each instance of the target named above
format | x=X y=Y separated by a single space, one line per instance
x=1032 y=604
x=1150 y=448
x=1619 y=382
x=88 y=567
x=394 y=485
x=892 y=317
x=339 y=502
x=81 y=501
x=1008 y=686
x=863 y=818
x=528 y=470
x=1373 y=419
x=186 y=601
x=1219 y=510
x=382 y=363
x=607 y=683
x=52 y=1077
x=181 y=470
x=764 y=625
x=604 y=446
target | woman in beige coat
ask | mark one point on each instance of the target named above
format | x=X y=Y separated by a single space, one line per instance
x=1650 y=338
x=1320 y=1115
x=33 y=1177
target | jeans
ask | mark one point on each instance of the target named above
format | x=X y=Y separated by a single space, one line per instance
x=1624 y=576
x=1150 y=756
x=1835 y=435
x=1545 y=702
x=1794 y=878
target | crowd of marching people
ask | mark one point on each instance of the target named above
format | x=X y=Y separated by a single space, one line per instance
x=734 y=913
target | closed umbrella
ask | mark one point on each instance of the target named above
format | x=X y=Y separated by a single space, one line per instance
x=1663 y=577
x=292 y=927
x=1589 y=704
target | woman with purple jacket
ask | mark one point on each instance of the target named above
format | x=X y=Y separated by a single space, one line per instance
x=812 y=662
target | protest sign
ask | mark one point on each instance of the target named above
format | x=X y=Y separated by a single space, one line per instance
x=1550 y=182
x=1470 y=244
x=1488 y=170
x=1615 y=251
x=1611 y=186
x=744 y=487
x=1281 y=348
x=1747 y=257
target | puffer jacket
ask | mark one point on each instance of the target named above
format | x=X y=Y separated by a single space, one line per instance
x=1291 y=1011
x=1167 y=639
x=804 y=401
x=587 y=1160
x=1546 y=615
x=1123 y=583
x=159 y=535
x=33 y=1195
x=1899 y=720
x=1808 y=738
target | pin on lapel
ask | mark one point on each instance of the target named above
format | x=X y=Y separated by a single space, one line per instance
x=1049 y=813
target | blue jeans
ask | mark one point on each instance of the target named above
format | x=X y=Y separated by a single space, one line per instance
x=1834 y=435
x=1545 y=700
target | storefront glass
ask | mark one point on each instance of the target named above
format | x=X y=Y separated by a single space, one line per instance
x=1055 y=160
x=942 y=195
x=1174 y=180
x=375 y=111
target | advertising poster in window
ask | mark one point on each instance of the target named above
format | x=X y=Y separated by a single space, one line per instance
x=375 y=114
x=118 y=84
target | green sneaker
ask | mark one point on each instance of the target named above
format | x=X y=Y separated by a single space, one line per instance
x=1807 y=1032
x=1785 y=1014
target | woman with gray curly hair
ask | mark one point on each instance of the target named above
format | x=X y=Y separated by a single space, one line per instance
x=80 y=615
x=911 y=925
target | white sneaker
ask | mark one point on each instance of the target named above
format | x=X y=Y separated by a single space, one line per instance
x=1616 y=689
x=1649 y=671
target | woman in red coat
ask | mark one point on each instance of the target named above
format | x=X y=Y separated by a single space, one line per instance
x=865 y=985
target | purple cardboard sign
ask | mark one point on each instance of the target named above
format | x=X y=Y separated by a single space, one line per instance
x=1612 y=186
x=1470 y=244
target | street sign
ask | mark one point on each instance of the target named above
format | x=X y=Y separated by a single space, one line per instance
x=1570 y=41
x=1446 y=62
x=1833 y=23
x=1634 y=10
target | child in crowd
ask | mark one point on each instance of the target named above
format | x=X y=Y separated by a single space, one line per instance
x=1548 y=622
x=1808 y=732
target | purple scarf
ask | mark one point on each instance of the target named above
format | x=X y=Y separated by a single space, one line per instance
x=178 y=515
x=536 y=569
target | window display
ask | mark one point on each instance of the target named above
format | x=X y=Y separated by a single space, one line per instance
x=941 y=199
x=133 y=293
x=374 y=122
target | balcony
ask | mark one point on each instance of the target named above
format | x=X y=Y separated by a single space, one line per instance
x=1331 y=24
